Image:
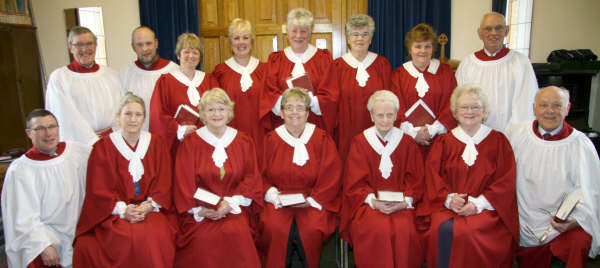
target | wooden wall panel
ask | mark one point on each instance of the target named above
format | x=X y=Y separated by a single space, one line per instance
x=263 y=46
x=212 y=53
x=230 y=12
x=209 y=15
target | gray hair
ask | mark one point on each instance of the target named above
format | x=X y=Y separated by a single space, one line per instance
x=493 y=13
x=358 y=21
x=79 y=30
x=217 y=95
x=300 y=17
x=383 y=95
x=471 y=89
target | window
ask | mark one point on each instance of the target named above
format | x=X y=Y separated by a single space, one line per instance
x=519 y=13
x=91 y=18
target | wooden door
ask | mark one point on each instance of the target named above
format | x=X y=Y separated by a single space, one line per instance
x=268 y=18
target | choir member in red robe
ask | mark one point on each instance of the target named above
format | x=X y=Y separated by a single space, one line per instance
x=424 y=83
x=360 y=73
x=300 y=159
x=301 y=58
x=217 y=189
x=383 y=161
x=242 y=77
x=122 y=223
x=182 y=86
x=470 y=187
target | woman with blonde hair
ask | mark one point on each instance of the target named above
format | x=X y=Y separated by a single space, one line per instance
x=217 y=190
x=182 y=87
x=242 y=77
x=301 y=64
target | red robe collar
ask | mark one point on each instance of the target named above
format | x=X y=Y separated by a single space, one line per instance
x=76 y=67
x=36 y=154
x=157 y=65
x=484 y=57
x=563 y=133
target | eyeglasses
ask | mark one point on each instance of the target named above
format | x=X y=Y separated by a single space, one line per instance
x=474 y=108
x=498 y=28
x=215 y=110
x=298 y=108
x=357 y=34
x=553 y=106
x=41 y=128
x=81 y=45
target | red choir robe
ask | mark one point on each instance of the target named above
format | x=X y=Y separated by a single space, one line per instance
x=168 y=94
x=381 y=240
x=353 y=116
x=441 y=85
x=105 y=240
x=227 y=242
x=246 y=106
x=482 y=240
x=321 y=71
x=318 y=178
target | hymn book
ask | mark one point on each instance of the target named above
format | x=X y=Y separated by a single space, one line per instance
x=567 y=206
x=419 y=114
x=185 y=115
x=390 y=196
x=206 y=198
x=291 y=199
x=302 y=81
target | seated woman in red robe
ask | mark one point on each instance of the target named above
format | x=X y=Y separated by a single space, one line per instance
x=383 y=180
x=180 y=87
x=242 y=77
x=470 y=176
x=217 y=189
x=360 y=73
x=128 y=189
x=301 y=60
x=300 y=161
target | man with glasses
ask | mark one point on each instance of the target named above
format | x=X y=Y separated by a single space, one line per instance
x=83 y=95
x=506 y=75
x=554 y=163
x=140 y=76
x=42 y=196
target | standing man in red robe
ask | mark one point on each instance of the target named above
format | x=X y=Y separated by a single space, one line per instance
x=140 y=76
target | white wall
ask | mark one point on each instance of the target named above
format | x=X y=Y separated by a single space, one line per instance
x=466 y=17
x=120 y=18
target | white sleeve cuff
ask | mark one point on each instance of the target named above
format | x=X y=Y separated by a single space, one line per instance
x=409 y=129
x=409 y=201
x=481 y=203
x=120 y=209
x=313 y=203
x=236 y=201
x=436 y=128
x=314 y=104
x=272 y=196
x=194 y=211
x=277 y=108
x=369 y=200
x=448 y=198
x=156 y=206
x=181 y=132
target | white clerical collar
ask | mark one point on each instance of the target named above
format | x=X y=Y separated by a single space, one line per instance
x=135 y=168
x=394 y=136
x=219 y=155
x=299 y=144
x=490 y=54
x=192 y=91
x=361 y=66
x=299 y=61
x=552 y=133
x=470 y=153
x=246 y=80
x=421 y=86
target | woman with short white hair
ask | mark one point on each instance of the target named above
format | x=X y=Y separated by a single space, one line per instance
x=360 y=73
x=383 y=183
x=308 y=67
x=470 y=196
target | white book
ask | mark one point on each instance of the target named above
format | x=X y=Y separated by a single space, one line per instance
x=207 y=197
x=390 y=196
x=291 y=199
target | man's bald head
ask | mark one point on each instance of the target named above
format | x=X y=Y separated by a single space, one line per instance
x=145 y=45
x=492 y=31
x=551 y=107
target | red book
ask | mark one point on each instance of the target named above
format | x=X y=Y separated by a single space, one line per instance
x=206 y=198
x=302 y=81
x=419 y=114
x=185 y=115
